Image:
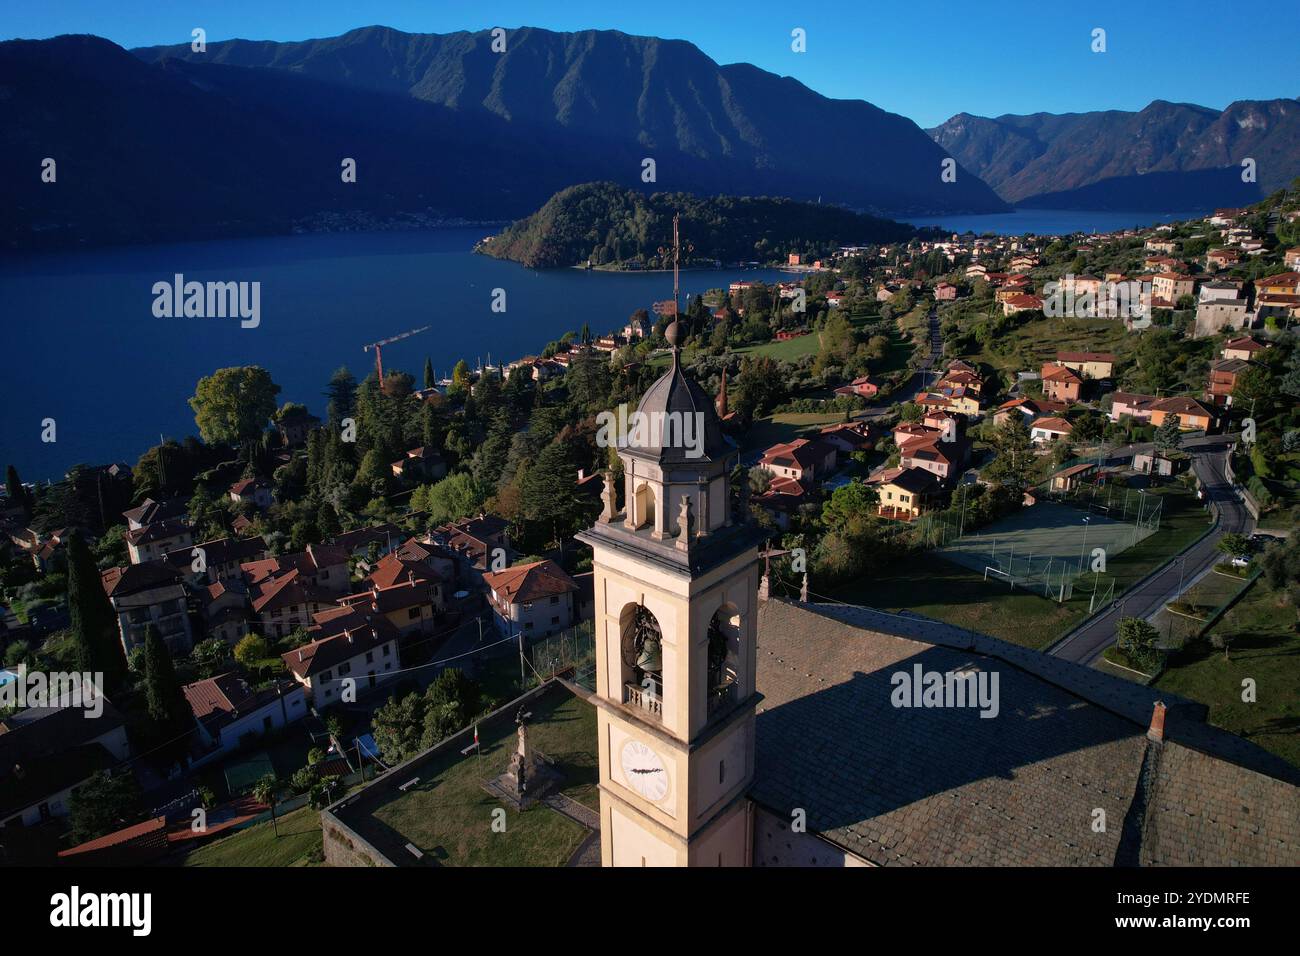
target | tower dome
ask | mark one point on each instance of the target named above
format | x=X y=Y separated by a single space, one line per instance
x=681 y=424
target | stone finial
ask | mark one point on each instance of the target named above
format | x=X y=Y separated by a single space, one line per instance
x=684 y=525
x=607 y=497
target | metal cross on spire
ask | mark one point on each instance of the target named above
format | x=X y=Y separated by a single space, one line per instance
x=677 y=254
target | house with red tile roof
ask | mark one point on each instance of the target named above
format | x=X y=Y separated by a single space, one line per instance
x=1021 y=302
x=904 y=492
x=284 y=601
x=849 y=437
x=1246 y=348
x=1047 y=430
x=864 y=386
x=532 y=599
x=1060 y=383
x=227 y=710
x=147 y=594
x=220 y=559
x=350 y=653
x=154 y=540
x=1222 y=379
x=803 y=459
x=783 y=499
x=411 y=604
x=1028 y=409
x=252 y=491
x=1094 y=365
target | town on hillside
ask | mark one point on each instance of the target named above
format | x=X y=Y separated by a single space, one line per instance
x=1082 y=446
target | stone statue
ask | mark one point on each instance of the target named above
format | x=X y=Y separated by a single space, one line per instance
x=519 y=761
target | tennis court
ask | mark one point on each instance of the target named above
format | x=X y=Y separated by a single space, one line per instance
x=242 y=775
x=1044 y=546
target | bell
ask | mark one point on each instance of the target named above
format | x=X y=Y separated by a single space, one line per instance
x=650 y=658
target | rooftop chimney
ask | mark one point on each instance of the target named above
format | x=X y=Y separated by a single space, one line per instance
x=1157 y=729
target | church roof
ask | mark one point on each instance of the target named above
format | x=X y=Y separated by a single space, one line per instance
x=941 y=785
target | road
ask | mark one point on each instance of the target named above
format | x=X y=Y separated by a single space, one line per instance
x=919 y=381
x=1209 y=456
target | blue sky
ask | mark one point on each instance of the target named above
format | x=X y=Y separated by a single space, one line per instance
x=924 y=59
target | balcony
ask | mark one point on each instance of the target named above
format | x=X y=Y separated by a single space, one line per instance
x=647 y=701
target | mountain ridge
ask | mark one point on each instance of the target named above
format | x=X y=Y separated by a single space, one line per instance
x=1067 y=159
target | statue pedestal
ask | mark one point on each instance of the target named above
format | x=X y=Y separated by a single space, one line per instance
x=540 y=779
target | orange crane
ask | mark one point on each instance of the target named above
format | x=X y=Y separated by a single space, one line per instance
x=378 y=347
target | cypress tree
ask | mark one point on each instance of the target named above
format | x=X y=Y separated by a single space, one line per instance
x=162 y=691
x=94 y=623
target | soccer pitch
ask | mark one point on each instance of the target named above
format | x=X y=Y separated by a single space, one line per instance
x=1044 y=546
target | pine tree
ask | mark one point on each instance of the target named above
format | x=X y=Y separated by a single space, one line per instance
x=1169 y=435
x=342 y=395
x=94 y=623
x=162 y=690
x=429 y=380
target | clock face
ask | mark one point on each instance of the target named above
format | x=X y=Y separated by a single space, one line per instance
x=644 y=771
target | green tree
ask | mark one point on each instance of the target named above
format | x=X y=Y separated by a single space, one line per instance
x=210 y=657
x=98 y=648
x=1234 y=545
x=1013 y=454
x=1254 y=391
x=163 y=696
x=1169 y=435
x=267 y=791
x=252 y=650
x=102 y=804
x=849 y=509
x=457 y=496
x=1137 y=639
x=341 y=395
x=234 y=404
x=429 y=380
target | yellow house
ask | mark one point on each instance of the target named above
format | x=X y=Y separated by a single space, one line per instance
x=1094 y=365
x=904 y=492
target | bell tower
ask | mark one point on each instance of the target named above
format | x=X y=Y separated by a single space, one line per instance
x=676 y=605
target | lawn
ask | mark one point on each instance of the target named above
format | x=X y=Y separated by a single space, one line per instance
x=787 y=426
x=786 y=351
x=449 y=817
x=929 y=585
x=1036 y=342
x=260 y=846
x=1182 y=620
x=1266 y=648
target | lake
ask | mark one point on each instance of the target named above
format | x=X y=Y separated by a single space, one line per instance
x=86 y=350
x=1052 y=222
